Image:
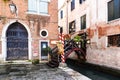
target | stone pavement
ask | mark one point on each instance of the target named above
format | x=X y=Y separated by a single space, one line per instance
x=41 y=72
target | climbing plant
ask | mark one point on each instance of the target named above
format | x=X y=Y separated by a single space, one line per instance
x=77 y=38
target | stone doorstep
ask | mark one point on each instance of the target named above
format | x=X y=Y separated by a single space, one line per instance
x=18 y=62
x=19 y=73
x=74 y=74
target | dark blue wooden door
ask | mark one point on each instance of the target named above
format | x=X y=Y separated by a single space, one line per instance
x=17 y=42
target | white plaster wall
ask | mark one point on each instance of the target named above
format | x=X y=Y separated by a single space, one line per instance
x=80 y=10
x=63 y=22
x=96 y=15
x=106 y=57
x=102 y=10
x=97 y=51
x=60 y=3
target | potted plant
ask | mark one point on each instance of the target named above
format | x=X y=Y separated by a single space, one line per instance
x=77 y=38
x=35 y=61
x=47 y=50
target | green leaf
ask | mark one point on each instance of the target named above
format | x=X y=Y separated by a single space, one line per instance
x=77 y=38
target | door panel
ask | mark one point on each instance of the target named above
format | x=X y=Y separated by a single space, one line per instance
x=17 y=42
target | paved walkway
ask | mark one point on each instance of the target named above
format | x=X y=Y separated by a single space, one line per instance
x=43 y=72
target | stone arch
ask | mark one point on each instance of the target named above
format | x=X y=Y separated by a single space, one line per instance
x=4 y=40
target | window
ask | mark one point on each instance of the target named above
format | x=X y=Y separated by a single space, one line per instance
x=114 y=40
x=72 y=5
x=72 y=27
x=44 y=33
x=61 y=14
x=81 y=1
x=113 y=9
x=83 y=22
x=38 y=6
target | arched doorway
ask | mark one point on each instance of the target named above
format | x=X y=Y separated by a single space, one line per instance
x=17 y=42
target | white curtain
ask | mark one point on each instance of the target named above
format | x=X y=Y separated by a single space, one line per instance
x=43 y=6
x=32 y=5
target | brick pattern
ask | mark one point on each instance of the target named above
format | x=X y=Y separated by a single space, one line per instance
x=39 y=22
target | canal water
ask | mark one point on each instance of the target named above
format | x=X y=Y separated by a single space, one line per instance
x=91 y=73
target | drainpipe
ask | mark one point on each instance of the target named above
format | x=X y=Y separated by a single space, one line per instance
x=96 y=24
x=67 y=16
x=97 y=10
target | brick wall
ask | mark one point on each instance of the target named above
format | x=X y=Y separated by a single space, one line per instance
x=33 y=22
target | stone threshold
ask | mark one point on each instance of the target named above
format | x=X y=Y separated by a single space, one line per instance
x=18 y=62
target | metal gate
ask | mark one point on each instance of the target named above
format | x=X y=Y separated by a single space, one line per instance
x=17 y=42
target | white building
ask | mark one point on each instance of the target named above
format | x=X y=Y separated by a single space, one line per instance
x=101 y=21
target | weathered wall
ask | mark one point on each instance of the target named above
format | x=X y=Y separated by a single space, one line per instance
x=34 y=22
x=63 y=22
x=98 y=51
x=98 y=29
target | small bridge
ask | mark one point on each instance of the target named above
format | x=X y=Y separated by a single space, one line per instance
x=71 y=50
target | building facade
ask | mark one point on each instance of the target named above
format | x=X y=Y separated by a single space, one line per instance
x=101 y=21
x=27 y=28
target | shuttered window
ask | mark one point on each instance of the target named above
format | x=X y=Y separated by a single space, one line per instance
x=113 y=10
x=81 y=1
x=83 y=22
x=61 y=14
x=72 y=5
x=38 y=6
x=72 y=27
x=114 y=40
x=43 y=6
x=32 y=6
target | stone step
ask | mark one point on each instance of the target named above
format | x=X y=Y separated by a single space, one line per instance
x=4 y=69
x=52 y=65
x=17 y=69
x=19 y=73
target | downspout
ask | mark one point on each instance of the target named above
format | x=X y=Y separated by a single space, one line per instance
x=97 y=10
x=67 y=16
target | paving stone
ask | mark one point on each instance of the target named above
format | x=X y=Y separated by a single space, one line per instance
x=43 y=72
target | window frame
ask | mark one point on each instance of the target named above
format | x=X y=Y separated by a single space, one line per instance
x=81 y=1
x=114 y=40
x=61 y=14
x=83 y=22
x=43 y=35
x=112 y=14
x=72 y=5
x=72 y=29
x=37 y=7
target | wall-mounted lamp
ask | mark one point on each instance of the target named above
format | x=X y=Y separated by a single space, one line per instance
x=13 y=8
x=88 y=41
